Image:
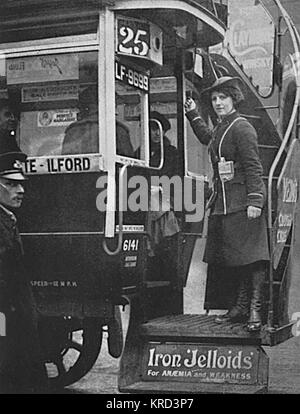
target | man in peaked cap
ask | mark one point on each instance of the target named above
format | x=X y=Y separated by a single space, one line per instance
x=21 y=366
x=11 y=172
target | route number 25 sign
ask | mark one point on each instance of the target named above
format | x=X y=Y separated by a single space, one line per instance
x=138 y=38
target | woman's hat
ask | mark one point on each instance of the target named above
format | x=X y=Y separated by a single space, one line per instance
x=11 y=158
x=162 y=119
x=223 y=82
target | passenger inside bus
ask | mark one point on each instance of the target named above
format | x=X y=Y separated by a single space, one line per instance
x=8 y=121
x=170 y=165
x=82 y=137
x=162 y=221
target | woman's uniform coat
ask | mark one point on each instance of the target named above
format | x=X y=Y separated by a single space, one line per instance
x=21 y=366
x=233 y=239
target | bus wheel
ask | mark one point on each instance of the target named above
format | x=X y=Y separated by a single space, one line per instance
x=70 y=348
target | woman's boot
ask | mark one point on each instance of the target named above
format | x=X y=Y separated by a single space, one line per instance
x=254 y=322
x=240 y=311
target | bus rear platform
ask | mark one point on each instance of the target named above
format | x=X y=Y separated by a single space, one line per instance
x=191 y=353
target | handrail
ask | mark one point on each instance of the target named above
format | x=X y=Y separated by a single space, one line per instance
x=281 y=150
x=285 y=140
x=288 y=157
x=295 y=41
x=162 y=154
x=293 y=115
x=121 y=210
x=121 y=193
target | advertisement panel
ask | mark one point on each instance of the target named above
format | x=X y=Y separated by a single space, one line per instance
x=288 y=184
x=201 y=363
x=48 y=93
x=58 y=117
x=251 y=41
x=44 y=68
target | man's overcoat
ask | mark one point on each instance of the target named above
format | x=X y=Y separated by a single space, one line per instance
x=21 y=366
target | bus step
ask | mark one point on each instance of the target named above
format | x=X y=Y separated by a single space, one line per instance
x=203 y=328
x=198 y=327
x=172 y=387
x=192 y=354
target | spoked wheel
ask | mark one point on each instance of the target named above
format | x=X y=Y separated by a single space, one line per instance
x=70 y=347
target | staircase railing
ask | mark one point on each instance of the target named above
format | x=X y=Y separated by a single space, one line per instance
x=288 y=159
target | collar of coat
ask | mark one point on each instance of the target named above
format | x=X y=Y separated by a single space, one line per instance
x=226 y=120
x=155 y=146
x=7 y=215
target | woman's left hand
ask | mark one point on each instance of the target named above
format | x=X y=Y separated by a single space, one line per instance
x=253 y=212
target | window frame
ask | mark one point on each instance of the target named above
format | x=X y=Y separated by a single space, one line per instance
x=86 y=43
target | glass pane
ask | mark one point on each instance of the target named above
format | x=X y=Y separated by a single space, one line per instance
x=251 y=41
x=163 y=108
x=128 y=120
x=55 y=99
x=197 y=154
x=132 y=87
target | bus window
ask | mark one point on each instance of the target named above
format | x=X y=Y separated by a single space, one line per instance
x=251 y=41
x=54 y=97
x=128 y=120
x=163 y=99
x=131 y=105
x=197 y=160
x=82 y=135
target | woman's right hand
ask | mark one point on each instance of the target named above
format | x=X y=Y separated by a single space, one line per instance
x=253 y=212
x=189 y=105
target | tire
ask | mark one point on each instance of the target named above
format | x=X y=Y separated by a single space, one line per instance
x=61 y=339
